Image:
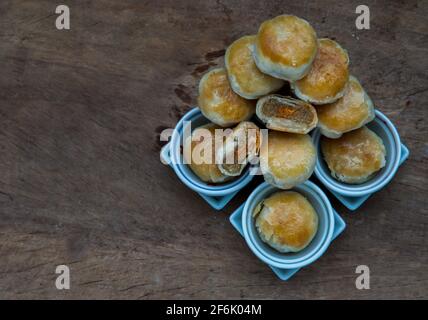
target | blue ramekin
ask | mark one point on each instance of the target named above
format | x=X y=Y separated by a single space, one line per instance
x=313 y=251
x=186 y=175
x=384 y=128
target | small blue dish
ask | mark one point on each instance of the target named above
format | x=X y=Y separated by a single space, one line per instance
x=353 y=195
x=285 y=265
x=290 y=260
x=216 y=195
x=353 y=203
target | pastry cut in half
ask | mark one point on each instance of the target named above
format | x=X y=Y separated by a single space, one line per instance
x=244 y=76
x=285 y=47
x=203 y=165
x=239 y=149
x=219 y=103
x=286 y=221
x=286 y=114
x=350 y=112
x=287 y=159
x=354 y=157
x=329 y=74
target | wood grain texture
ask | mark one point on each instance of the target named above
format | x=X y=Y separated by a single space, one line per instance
x=81 y=183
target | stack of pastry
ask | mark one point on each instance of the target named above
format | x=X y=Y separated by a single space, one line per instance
x=286 y=49
x=323 y=94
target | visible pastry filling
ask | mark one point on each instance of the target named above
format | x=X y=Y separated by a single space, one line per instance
x=296 y=112
x=236 y=166
x=244 y=147
x=232 y=168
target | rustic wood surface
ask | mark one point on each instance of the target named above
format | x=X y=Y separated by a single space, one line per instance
x=81 y=183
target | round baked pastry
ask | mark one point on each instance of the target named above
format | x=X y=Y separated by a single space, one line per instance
x=286 y=221
x=350 y=112
x=287 y=159
x=244 y=76
x=286 y=114
x=285 y=47
x=203 y=139
x=219 y=103
x=354 y=157
x=240 y=148
x=327 y=79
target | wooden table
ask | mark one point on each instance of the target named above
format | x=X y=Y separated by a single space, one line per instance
x=81 y=183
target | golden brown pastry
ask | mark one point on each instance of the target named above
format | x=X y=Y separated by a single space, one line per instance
x=219 y=103
x=240 y=147
x=354 y=157
x=203 y=165
x=286 y=114
x=285 y=47
x=244 y=76
x=287 y=159
x=327 y=79
x=286 y=221
x=350 y=112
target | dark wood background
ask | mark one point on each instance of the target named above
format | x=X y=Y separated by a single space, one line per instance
x=81 y=183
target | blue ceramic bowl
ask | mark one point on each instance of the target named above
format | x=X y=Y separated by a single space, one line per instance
x=291 y=260
x=384 y=128
x=186 y=175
